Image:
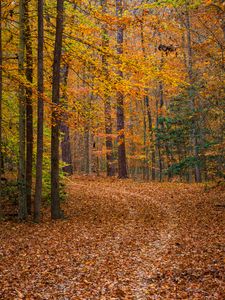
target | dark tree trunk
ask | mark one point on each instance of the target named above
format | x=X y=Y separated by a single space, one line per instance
x=109 y=143
x=151 y=137
x=131 y=124
x=87 y=148
x=29 y=109
x=22 y=213
x=195 y=144
x=1 y=170
x=66 y=149
x=87 y=129
x=107 y=100
x=122 y=164
x=55 y=199
x=146 y=148
x=64 y=128
x=158 y=143
x=148 y=109
x=162 y=127
x=40 y=115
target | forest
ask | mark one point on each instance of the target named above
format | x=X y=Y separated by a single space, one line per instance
x=112 y=149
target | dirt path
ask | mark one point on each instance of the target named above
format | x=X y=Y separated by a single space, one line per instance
x=122 y=240
x=152 y=250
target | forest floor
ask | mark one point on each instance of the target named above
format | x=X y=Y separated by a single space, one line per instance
x=121 y=240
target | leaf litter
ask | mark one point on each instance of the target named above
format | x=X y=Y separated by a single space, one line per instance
x=122 y=240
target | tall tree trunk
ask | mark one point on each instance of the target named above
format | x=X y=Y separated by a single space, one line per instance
x=64 y=128
x=97 y=157
x=148 y=109
x=151 y=137
x=55 y=199
x=169 y=154
x=146 y=148
x=145 y=111
x=0 y=108
x=158 y=142
x=22 y=213
x=187 y=152
x=192 y=93
x=122 y=164
x=29 y=109
x=40 y=115
x=66 y=149
x=87 y=148
x=107 y=101
x=86 y=151
x=87 y=128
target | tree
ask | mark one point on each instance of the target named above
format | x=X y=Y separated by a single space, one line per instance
x=154 y=74
x=107 y=100
x=40 y=115
x=1 y=156
x=22 y=214
x=55 y=199
x=148 y=109
x=122 y=164
x=64 y=128
x=25 y=112
x=192 y=93
x=29 y=108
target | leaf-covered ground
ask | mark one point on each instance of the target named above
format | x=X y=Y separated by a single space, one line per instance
x=122 y=240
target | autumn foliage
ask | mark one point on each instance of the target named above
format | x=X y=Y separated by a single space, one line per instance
x=112 y=121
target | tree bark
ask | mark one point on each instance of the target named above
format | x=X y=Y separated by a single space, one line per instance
x=148 y=111
x=1 y=108
x=87 y=127
x=64 y=128
x=66 y=149
x=22 y=213
x=146 y=148
x=132 y=148
x=192 y=93
x=151 y=137
x=87 y=150
x=158 y=143
x=40 y=115
x=107 y=100
x=122 y=164
x=29 y=109
x=55 y=199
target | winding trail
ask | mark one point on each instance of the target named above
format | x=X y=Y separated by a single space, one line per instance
x=122 y=240
x=153 y=250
